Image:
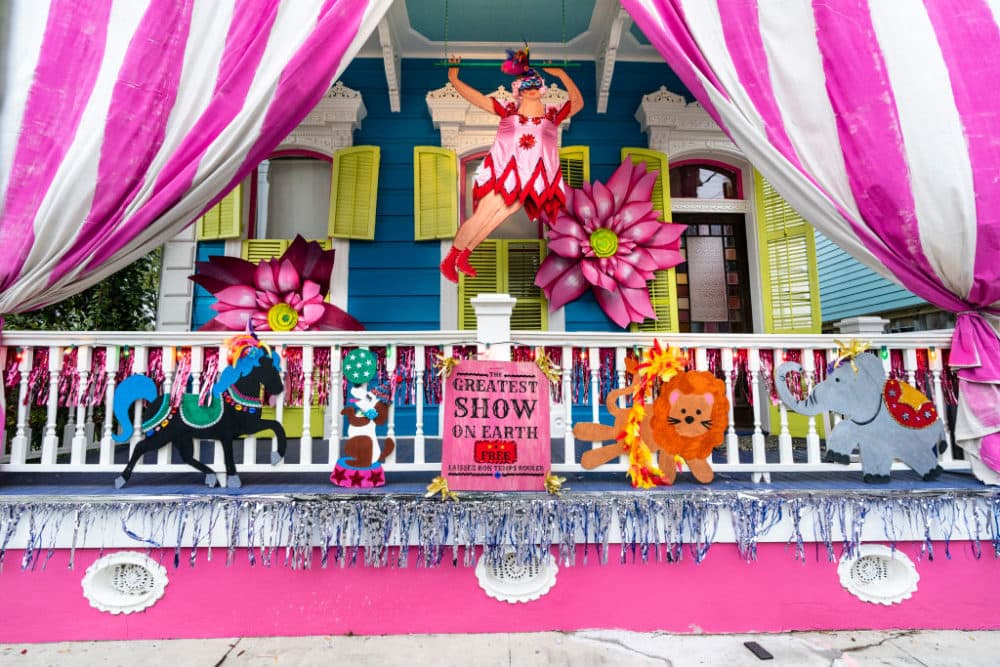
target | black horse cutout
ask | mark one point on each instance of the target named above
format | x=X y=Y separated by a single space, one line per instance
x=235 y=411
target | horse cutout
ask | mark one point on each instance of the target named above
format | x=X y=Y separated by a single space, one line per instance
x=235 y=411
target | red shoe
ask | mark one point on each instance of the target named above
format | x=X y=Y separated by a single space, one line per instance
x=448 y=265
x=463 y=263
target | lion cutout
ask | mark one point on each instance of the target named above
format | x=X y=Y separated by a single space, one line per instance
x=689 y=419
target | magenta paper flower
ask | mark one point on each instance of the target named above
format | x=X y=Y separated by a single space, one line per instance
x=608 y=238
x=282 y=294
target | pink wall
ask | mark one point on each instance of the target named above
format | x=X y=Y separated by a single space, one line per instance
x=723 y=594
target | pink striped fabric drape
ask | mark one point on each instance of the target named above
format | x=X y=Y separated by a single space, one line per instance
x=125 y=119
x=877 y=120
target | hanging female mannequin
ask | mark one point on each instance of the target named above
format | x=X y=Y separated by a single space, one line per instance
x=522 y=167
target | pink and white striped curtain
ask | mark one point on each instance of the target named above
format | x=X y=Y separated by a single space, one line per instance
x=879 y=120
x=123 y=120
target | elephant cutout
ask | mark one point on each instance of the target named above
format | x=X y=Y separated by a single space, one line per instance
x=884 y=420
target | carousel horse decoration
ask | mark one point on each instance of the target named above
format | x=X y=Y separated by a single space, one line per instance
x=361 y=465
x=233 y=412
x=884 y=419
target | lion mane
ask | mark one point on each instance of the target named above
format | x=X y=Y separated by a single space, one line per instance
x=690 y=415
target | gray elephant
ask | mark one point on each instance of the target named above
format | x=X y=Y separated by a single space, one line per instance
x=883 y=419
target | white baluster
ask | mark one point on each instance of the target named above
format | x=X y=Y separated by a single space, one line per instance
x=448 y=351
x=701 y=358
x=50 y=441
x=197 y=364
x=569 y=444
x=620 y=354
x=19 y=444
x=834 y=417
x=934 y=364
x=757 y=440
x=784 y=435
x=218 y=456
x=732 y=441
x=419 y=367
x=336 y=400
x=808 y=381
x=305 y=443
x=594 y=354
x=78 y=449
x=169 y=363
x=391 y=358
x=910 y=365
x=138 y=366
x=110 y=371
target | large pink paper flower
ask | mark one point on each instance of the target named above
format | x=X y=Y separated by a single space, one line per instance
x=608 y=238
x=282 y=294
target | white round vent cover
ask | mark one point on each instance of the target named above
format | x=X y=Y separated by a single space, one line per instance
x=124 y=582
x=510 y=581
x=879 y=574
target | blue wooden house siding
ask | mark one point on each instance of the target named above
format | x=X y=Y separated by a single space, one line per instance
x=394 y=281
x=848 y=288
x=201 y=308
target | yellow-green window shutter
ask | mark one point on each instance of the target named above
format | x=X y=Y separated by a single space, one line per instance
x=506 y=267
x=353 y=192
x=435 y=193
x=532 y=309
x=256 y=250
x=789 y=274
x=224 y=220
x=575 y=164
x=489 y=261
x=663 y=286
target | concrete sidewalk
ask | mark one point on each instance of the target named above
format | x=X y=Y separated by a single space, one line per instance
x=548 y=649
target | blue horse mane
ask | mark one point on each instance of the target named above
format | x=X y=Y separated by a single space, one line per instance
x=244 y=366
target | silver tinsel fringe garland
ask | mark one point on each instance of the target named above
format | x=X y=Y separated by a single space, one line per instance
x=377 y=530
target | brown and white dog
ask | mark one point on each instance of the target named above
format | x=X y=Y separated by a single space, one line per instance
x=362 y=448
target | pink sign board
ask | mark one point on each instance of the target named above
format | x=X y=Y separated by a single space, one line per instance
x=496 y=427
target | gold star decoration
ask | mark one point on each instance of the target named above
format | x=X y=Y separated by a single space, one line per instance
x=440 y=485
x=849 y=352
x=554 y=484
x=445 y=365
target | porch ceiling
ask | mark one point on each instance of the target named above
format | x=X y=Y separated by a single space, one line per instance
x=484 y=28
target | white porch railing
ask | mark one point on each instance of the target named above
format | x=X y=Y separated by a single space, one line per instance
x=69 y=429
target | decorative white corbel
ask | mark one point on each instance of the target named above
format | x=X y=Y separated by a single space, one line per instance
x=676 y=127
x=391 y=61
x=330 y=125
x=607 y=54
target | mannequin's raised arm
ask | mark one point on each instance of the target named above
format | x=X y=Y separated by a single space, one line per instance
x=471 y=95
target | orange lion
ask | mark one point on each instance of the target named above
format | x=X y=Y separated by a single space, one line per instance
x=689 y=418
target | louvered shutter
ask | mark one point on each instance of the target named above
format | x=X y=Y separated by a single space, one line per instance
x=224 y=220
x=788 y=264
x=575 y=164
x=531 y=310
x=488 y=260
x=353 y=192
x=663 y=286
x=256 y=250
x=435 y=193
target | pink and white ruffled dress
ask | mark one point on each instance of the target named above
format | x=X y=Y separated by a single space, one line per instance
x=523 y=163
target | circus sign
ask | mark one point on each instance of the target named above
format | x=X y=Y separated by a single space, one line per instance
x=496 y=427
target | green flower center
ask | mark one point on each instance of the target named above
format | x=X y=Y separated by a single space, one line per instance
x=282 y=317
x=604 y=242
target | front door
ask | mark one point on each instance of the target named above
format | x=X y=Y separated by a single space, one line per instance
x=713 y=285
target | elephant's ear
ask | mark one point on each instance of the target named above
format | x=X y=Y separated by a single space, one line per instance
x=872 y=367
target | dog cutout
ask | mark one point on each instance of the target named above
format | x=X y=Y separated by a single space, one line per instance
x=362 y=448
